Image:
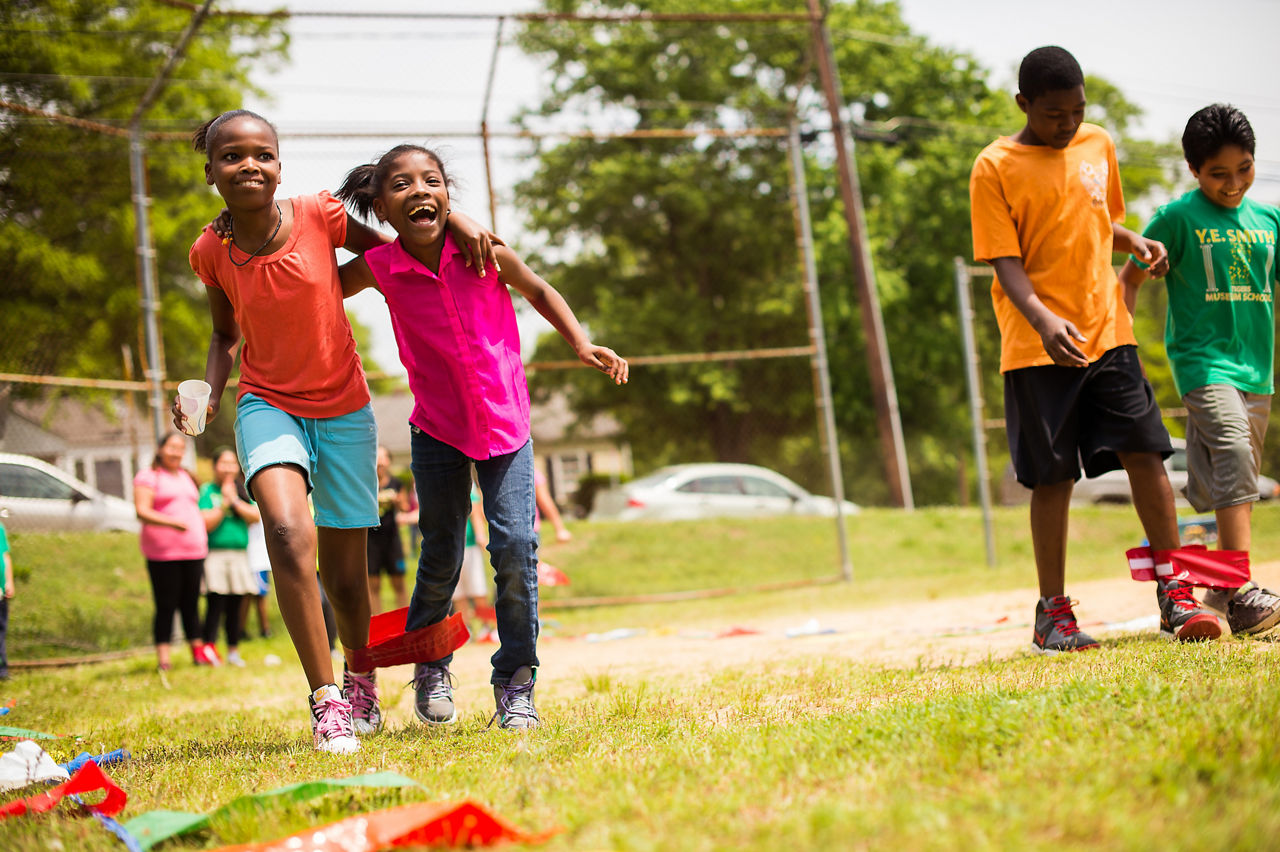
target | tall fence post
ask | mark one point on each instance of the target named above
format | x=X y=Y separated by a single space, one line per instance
x=974 y=382
x=818 y=338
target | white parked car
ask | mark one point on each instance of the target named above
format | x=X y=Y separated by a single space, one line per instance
x=692 y=491
x=42 y=498
x=1113 y=486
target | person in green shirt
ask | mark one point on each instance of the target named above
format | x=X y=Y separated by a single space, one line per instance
x=1220 y=335
x=227 y=510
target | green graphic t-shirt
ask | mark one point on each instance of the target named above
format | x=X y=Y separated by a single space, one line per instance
x=1220 y=327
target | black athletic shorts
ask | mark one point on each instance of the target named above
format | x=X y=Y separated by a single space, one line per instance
x=1062 y=419
x=385 y=553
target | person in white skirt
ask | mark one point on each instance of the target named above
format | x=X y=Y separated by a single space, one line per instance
x=227 y=512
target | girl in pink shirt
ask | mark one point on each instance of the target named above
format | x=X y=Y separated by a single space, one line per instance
x=456 y=331
x=304 y=425
x=174 y=543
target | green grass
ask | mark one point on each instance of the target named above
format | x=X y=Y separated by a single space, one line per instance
x=89 y=592
x=1143 y=744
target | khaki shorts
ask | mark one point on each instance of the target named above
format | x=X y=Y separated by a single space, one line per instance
x=1225 y=428
x=227 y=572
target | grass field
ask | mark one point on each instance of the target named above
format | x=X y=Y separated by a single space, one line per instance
x=1143 y=745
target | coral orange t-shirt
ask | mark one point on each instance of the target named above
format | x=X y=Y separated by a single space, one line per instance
x=299 y=353
x=1053 y=209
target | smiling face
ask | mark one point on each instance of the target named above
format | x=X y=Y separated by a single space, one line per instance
x=1226 y=176
x=1053 y=118
x=413 y=199
x=244 y=163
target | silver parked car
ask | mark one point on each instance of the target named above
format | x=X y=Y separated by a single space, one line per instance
x=1113 y=486
x=692 y=491
x=42 y=498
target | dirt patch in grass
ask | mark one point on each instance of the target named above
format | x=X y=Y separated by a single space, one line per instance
x=952 y=631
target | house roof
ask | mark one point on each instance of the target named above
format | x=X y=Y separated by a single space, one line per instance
x=553 y=422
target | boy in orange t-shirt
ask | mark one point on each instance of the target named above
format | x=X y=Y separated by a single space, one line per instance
x=1047 y=211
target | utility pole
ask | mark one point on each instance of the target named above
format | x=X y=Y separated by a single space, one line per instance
x=145 y=251
x=883 y=389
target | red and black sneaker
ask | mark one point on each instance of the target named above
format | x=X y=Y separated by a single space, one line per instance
x=1181 y=615
x=1056 y=630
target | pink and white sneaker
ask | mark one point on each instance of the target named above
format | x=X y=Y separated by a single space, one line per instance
x=331 y=721
x=361 y=691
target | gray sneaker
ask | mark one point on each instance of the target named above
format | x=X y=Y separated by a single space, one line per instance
x=1056 y=630
x=433 y=698
x=1253 y=610
x=1181 y=616
x=514 y=701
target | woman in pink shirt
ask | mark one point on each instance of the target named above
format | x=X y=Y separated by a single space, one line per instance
x=456 y=331
x=174 y=543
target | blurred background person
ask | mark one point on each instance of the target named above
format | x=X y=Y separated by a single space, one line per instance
x=174 y=542
x=385 y=549
x=471 y=595
x=227 y=511
x=260 y=565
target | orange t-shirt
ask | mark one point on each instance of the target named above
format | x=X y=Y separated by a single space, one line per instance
x=299 y=353
x=1054 y=210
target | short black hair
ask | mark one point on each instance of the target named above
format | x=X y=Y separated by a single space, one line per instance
x=1048 y=69
x=1212 y=129
x=203 y=138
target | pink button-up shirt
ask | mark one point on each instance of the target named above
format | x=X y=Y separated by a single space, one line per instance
x=458 y=339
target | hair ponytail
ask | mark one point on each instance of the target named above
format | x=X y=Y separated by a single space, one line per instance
x=359 y=189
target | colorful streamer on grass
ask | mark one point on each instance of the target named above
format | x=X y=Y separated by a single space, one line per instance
x=156 y=826
x=453 y=824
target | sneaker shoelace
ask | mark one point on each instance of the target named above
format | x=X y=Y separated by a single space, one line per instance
x=437 y=682
x=363 y=693
x=516 y=701
x=333 y=719
x=1260 y=598
x=1063 y=618
x=1183 y=597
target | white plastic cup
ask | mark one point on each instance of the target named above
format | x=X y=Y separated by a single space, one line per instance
x=193 y=399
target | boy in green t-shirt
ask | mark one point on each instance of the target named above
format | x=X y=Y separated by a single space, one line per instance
x=1220 y=335
x=6 y=592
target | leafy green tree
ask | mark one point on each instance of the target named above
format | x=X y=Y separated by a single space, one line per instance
x=66 y=216
x=687 y=245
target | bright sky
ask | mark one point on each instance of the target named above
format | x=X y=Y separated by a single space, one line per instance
x=424 y=80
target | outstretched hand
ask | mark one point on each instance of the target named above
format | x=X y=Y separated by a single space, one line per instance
x=476 y=242
x=606 y=361
x=1153 y=253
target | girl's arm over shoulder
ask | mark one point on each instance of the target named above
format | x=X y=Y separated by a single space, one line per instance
x=476 y=241
x=361 y=238
x=547 y=301
x=355 y=276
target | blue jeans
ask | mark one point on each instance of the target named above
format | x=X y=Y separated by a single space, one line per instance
x=442 y=478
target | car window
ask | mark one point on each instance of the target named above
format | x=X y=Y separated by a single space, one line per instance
x=19 y=481
x=757 y=487
x=712 y=485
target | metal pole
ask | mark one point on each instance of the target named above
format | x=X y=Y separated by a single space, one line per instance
x=975 y=405
x=484 y=125
x=153 y=370
x=883 y=389
x=818 y=338
x=146 y=253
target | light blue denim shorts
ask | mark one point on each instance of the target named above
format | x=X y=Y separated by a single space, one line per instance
x=337 y=455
